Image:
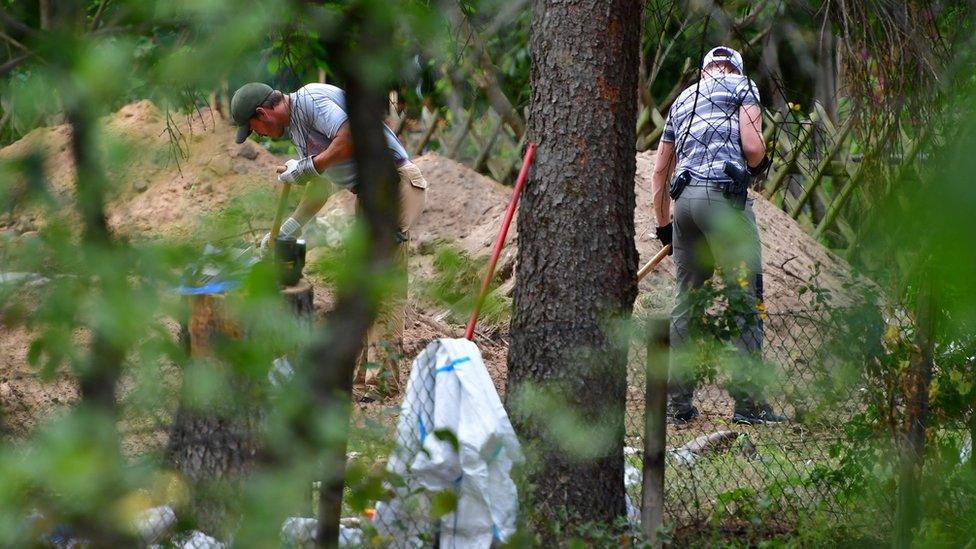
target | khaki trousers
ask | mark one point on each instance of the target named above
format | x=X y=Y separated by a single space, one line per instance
x=378 y=368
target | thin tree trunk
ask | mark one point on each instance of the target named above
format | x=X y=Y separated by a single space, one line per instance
x=333 y=354
x=577 y=261
x=99 y=380
x=214 y=444
x=44 y=9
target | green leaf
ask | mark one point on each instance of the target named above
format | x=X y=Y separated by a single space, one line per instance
x=448 y=436
x=442 y=503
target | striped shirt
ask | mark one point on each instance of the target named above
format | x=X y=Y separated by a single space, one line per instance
x=703 y=123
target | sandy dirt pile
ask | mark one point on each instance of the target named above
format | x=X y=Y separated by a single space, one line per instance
x=162 y=189
x=165 y=195
x=159 y=197
x=160 y=193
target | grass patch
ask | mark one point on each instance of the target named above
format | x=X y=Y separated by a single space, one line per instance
x=454 y=286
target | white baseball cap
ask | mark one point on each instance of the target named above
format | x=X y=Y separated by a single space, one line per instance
x=723 y=54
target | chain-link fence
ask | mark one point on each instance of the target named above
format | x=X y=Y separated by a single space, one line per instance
x=718 y=473
x=722 y=473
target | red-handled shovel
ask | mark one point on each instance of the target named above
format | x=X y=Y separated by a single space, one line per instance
x=500 y=241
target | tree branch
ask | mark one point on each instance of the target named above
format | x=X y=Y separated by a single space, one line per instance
x=749 y=18
x=13 y=41
x=97 y=18
x=12 y=64
x=16 y=26
x=489 y=81
x=44 y=8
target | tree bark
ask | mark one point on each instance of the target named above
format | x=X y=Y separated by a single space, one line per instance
x=213 y=444
x=577 y=260
x=331 y=359
x=300 y=299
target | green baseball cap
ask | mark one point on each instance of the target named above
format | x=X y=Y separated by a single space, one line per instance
x=246 y=100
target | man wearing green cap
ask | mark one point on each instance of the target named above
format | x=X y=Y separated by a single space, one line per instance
x=315 y=119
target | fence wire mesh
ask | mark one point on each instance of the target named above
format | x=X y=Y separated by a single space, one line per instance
x=719 y=473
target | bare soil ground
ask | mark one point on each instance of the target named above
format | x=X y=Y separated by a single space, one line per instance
x=160 y=196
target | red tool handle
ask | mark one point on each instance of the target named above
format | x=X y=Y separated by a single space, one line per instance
x=500 y=241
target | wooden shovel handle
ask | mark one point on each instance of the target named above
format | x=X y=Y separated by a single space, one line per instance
x=276 y=224
x=649 y=266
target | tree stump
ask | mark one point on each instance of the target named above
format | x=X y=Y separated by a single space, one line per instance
x=213 y=444
x=300 y=297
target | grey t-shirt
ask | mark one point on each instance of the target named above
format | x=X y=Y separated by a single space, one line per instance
x=703 y=123
x=317 y=113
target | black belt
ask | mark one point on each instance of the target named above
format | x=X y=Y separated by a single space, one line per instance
x=719 y=185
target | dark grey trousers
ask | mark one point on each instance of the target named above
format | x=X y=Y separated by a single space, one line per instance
x=710 y=233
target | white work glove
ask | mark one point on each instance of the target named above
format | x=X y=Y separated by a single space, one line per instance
x=289 y=227
x=298 y=172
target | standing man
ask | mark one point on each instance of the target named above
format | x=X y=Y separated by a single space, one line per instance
x=314 y=117
x=712 y=143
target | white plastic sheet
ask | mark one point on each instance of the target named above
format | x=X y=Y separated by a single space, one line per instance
x=155 y=523
x=450 y=391
x=300 y=532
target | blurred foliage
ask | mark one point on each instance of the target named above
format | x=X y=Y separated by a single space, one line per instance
x=106 y=310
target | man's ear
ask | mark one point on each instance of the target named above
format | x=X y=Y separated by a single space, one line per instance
x=262 y=114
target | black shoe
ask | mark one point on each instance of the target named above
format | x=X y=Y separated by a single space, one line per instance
x=756 y=414
x=680 y=415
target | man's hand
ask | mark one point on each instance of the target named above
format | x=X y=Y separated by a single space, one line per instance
x=298 y=172
x=289 y=227
x=665 y=235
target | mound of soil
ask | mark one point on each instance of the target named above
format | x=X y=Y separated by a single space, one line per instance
x=164 y=185
x=164 y=195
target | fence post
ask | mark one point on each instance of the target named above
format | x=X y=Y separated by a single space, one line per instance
x=806 y=130
x=455 y=147
x=655 y=434
x=913 y=445
x=840 y=140
x=479 y=162
x=845 y=193
x=435 y=119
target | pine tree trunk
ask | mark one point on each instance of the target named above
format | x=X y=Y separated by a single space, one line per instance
x=577 y=261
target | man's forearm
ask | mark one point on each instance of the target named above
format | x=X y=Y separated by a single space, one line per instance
x=660 y=175
x=338 y=151
x=660 y=199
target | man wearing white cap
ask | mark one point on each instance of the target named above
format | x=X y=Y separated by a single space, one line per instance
x=712 y=143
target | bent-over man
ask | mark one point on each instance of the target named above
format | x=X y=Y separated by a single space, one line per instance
x=315 y=119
